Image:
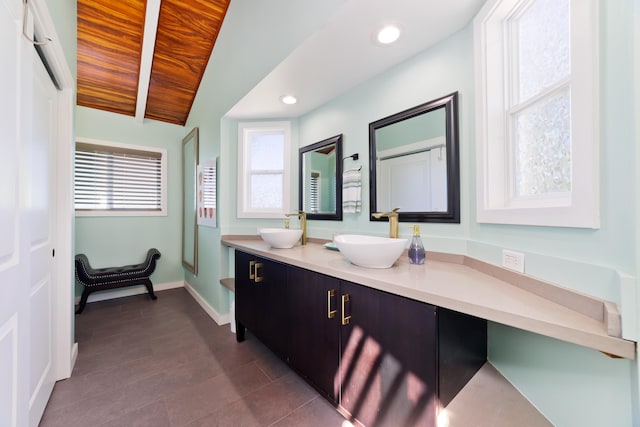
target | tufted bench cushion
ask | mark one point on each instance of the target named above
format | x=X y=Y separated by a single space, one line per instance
x=100 y=279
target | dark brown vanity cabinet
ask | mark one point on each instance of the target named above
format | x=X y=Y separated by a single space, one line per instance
x=315 y=334
x=261 y=298
x=383 y=359
x=388 y=358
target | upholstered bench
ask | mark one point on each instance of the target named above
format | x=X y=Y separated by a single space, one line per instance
x=100 y=279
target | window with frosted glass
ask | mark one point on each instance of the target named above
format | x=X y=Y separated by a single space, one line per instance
x=541 y=99
x=263 y=169
x=537 y=112
x=266 y=170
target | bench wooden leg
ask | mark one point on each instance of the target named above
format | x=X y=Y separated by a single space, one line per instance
x=109 y=286
x=149 y=287
x=83 y=300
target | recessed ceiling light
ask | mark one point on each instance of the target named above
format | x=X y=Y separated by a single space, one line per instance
x=288 y=99
x=388 y=34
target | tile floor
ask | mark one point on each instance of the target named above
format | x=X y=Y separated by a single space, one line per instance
x=165 y=363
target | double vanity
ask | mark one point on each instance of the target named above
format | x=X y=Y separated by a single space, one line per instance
x=393 y=346
x=387 y=342
x=383 y=359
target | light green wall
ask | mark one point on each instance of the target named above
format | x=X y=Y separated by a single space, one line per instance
x=238 y=62
x=63 y=14
x=231 y=224
x=574 y=386
x=112 y=241
x=444 y=69
x=571 y=385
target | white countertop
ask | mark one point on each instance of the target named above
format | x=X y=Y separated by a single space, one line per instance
x=452 y=284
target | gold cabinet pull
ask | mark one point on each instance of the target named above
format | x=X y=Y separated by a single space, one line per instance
x=252 y=270
x=345 y=319
x=330 y=313
x=258 y=278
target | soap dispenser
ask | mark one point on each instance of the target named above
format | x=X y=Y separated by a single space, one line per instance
x=416 y=249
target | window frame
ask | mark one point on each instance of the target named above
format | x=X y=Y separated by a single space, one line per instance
x=129 y=212
x=243 y=194
x=581 y=207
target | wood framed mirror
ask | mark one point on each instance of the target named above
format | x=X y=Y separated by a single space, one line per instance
x=414 y=163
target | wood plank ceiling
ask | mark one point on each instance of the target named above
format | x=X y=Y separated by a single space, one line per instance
x=110 y=45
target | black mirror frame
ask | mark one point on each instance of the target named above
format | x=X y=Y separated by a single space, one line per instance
x=452 y=215
x=313 y=147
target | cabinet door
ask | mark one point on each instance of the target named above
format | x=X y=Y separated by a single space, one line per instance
x=246 y=298
x=315 y=317
x=260 y=300
x=272 y=305
x=388 y=365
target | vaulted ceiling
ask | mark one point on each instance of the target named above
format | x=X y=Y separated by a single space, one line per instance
x=145 y=58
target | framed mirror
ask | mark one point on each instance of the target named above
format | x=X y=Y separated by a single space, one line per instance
x=320 y=182
x=414 y=163
x=189 y=213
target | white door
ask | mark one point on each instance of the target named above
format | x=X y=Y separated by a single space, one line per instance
x=13 y=268
x=404 y=183
x=26 y=272
x=40 y=220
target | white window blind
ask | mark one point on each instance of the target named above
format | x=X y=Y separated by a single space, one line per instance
x=207 y=193
x=209 y=188
x=118 y=178
x=314 y=192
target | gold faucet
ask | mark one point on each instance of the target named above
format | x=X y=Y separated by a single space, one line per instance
x=393 y=221
x=303 y=224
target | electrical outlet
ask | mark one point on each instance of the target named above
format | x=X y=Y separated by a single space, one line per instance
x=513 y=260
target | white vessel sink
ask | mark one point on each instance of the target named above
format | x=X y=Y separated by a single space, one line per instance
x=280 y=238
x=370 y=251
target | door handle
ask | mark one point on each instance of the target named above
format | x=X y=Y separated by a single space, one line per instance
x=252 y=270
x=258 y=278
x=330 y=313
x=345 y=319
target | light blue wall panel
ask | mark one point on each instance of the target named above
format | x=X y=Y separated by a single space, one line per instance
x=441 y=70
x=571 y=385
x=601 y=262
x=227 y=78
x=114 y=241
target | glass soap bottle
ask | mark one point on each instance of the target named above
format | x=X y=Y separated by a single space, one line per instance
x=416 y=248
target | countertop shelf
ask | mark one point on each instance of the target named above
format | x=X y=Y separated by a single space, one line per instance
x=473 y=287
x=229 y=283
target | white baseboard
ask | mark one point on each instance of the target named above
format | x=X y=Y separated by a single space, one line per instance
x=220 y=319
x=131 y=290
